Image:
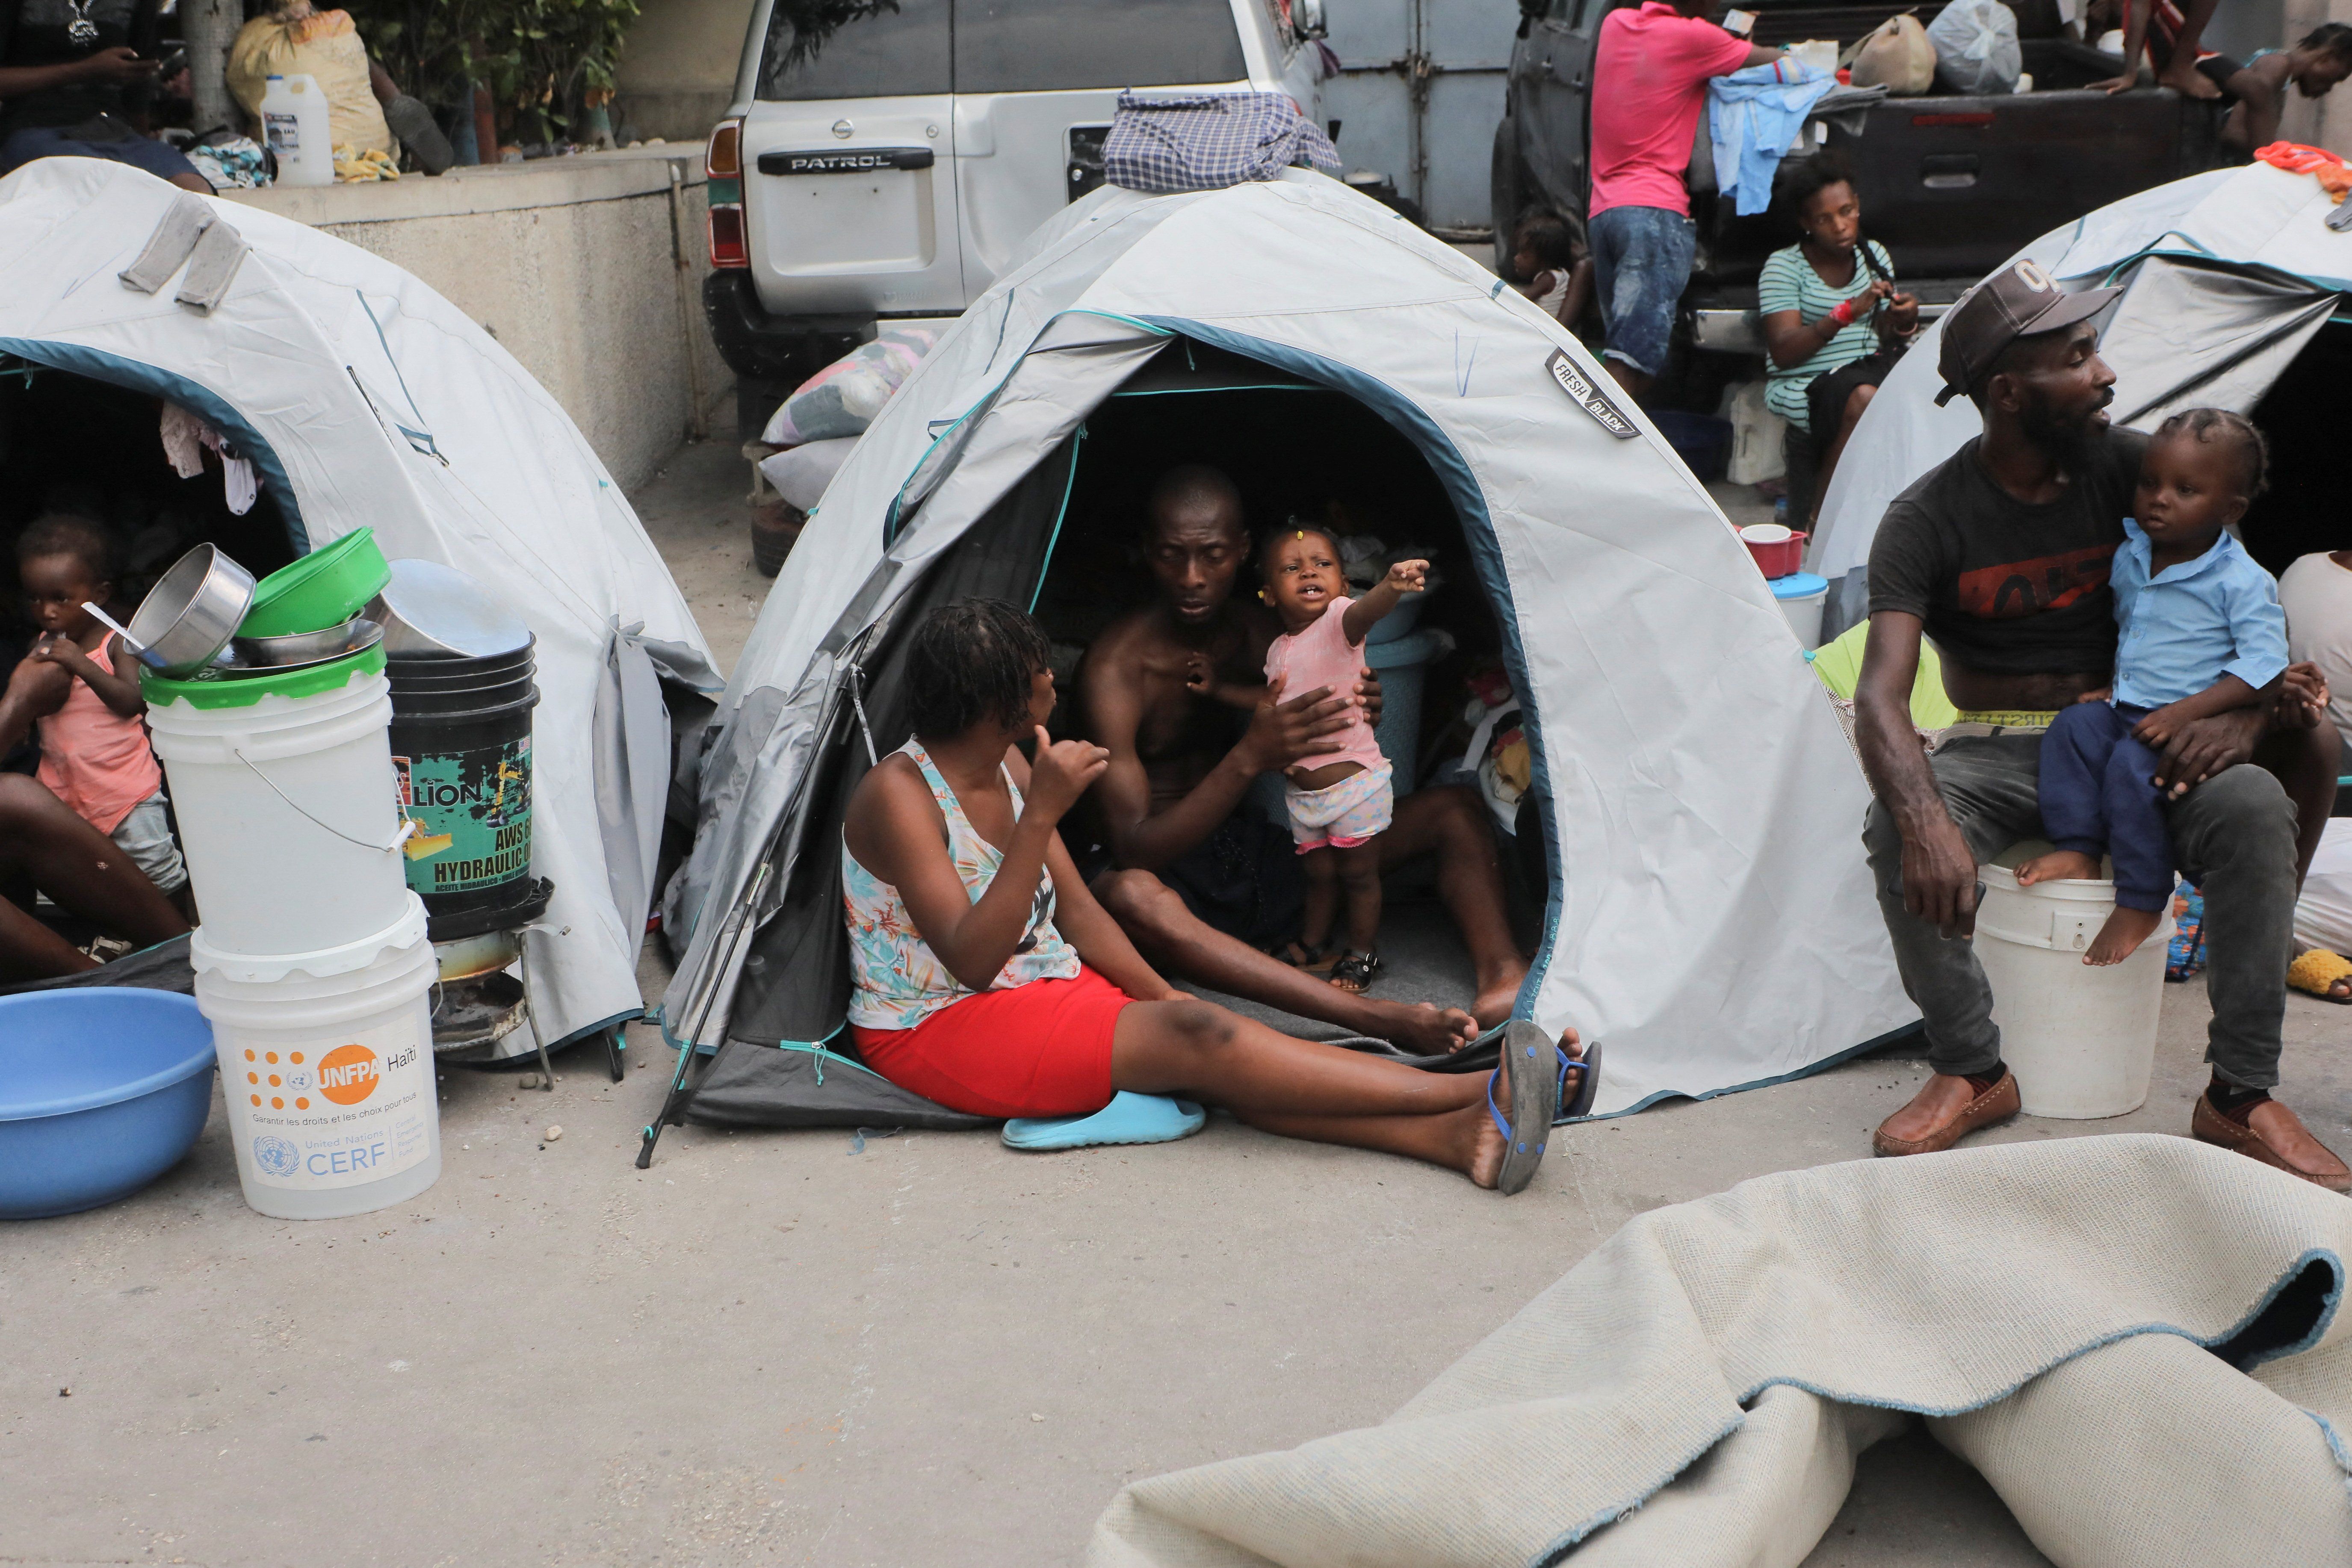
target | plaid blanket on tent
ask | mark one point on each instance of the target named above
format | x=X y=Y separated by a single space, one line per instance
x=1206 y=141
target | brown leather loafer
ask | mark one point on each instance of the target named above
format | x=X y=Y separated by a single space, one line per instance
x=1998 y=1103
x=2275 y=1136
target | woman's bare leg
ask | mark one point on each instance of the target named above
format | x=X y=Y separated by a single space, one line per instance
x=1464 y=1141
x=1305 y=1089
x=1848 y=417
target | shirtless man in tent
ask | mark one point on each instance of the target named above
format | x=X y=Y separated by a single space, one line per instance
x=1200 y=879
x=2001 y=554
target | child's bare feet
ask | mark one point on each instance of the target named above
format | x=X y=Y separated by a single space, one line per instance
x=2121 y=936
x=2058 y=866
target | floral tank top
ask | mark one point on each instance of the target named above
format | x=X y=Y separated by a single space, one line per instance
x=898 y=981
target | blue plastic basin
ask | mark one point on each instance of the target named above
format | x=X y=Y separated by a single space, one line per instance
x=102 y=1089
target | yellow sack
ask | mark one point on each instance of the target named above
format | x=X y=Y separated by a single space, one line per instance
x=1838 y=666
x=324 y=46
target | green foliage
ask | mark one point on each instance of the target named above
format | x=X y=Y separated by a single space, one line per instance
x=541 y=59
x=812 y=22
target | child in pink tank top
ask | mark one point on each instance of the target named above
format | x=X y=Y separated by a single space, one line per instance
x=1339 y=804
x=94 y=752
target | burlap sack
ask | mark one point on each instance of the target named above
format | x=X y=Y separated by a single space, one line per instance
x=1898 y=57
x=325 y=46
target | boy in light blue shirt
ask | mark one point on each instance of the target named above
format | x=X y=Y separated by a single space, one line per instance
x=2201 y=632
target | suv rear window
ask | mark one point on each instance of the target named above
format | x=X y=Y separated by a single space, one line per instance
x=921 y=46
x=900 y=52
x=1040 y=46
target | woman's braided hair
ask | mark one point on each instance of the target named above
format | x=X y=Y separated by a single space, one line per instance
x=973 y=660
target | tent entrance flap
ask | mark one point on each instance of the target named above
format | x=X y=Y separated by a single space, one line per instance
x=795 y=979
x=2188 y=336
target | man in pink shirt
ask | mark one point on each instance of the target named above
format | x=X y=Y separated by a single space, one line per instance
x=1650 y=72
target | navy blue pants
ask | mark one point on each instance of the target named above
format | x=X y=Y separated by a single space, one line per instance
x=2099 y=796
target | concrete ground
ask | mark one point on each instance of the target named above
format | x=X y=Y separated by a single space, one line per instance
x=828 y=1348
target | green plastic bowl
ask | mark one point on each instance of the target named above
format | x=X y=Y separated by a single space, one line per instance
x=325 y=588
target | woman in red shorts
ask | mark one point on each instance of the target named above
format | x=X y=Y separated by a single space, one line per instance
x=988 y=978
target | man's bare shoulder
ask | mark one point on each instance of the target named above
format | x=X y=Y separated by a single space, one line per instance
x=1113 y=656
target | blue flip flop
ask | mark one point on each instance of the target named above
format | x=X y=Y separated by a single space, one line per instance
x=1128 y=1119
x=1535 y=1101
x=1578 y=1102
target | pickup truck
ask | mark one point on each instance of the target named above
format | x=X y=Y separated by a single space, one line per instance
x=1951 y=186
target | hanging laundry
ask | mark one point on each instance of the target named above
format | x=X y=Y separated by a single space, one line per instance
x=1753 y=115
x=183 y=440
x=185 y=436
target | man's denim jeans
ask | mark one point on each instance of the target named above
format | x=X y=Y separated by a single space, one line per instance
x=1641 y=264
x=2235 y=837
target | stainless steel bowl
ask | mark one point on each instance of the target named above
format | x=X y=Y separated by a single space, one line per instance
x=299 y=648
x=431 y=609
x=192 y=612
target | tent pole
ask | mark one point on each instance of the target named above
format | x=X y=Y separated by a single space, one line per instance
x=729 y=937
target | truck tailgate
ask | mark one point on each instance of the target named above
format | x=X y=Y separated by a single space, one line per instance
x=1956 y=184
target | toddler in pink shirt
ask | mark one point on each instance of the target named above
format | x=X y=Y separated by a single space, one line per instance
x=1340 y=802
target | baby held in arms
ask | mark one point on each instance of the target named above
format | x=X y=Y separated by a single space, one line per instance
x=1340 y=803
x=2201 y=632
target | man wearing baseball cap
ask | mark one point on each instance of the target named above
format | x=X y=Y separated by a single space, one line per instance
x=2001 y=554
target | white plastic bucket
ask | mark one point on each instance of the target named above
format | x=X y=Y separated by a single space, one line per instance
x=286 y=805
x=2082 y=1041
x=1800 y=595
x=326 y=1064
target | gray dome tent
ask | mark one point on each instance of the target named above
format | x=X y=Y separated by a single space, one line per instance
x=1709 y=916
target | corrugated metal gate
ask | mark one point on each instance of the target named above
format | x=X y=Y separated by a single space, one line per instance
x=1419 y=96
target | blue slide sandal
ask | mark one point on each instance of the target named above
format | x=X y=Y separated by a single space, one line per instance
x=1128 y=1119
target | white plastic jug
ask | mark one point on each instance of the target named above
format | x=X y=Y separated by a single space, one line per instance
x=294 y=121
x=288 y=809
x=1801 y=596
x=326 y=1063
x=2082 y=1041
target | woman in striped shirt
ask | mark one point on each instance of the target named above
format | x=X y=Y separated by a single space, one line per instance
x=1826 y=302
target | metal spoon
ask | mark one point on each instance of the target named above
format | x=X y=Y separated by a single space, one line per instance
x=137 y=647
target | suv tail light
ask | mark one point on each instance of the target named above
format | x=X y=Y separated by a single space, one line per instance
x=723 y=166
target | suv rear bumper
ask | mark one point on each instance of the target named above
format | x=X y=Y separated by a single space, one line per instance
x=758 y=346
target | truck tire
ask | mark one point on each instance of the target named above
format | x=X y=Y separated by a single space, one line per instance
x=775 y=528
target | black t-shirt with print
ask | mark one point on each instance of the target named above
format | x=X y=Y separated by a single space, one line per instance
x=2004 y=588
x=39 y=32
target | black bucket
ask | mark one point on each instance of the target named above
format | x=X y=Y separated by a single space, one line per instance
x=461 y=746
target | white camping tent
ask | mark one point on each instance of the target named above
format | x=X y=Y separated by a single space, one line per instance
x=363 y=398
x=1710 y=919
x=2230 y=276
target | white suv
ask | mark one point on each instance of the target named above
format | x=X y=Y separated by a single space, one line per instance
x=889 y=168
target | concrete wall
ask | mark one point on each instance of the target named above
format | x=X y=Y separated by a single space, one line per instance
x=677 y=70
x=588 y=270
